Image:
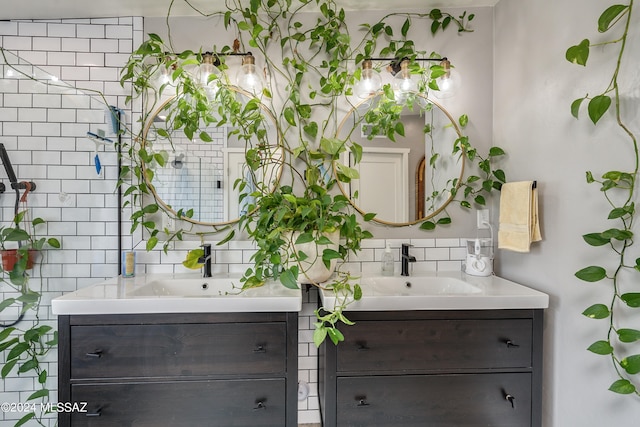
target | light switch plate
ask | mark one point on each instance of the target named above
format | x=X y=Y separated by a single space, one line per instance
x=483 y=219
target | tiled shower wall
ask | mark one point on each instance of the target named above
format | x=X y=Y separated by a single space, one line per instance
x=44 y=131
x=46 y=141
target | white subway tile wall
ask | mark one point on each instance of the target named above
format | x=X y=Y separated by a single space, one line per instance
x=44 y=133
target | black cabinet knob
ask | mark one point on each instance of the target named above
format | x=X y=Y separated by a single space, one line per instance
x=260 y=348
x=95 y=354
x=511 y=344
x=260 y=405
x=95 y=412
x=362 y=346
x=511 y=400
x=362 y=401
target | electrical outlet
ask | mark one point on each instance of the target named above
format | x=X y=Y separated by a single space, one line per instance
x=483 y=218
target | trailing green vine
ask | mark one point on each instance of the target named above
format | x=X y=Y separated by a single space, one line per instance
x=619 y=190
x=307 y=86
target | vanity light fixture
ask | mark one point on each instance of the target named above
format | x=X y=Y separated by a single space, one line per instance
x=404 y=82
x=449 y=82
x=247 y=78
x=370 y=81
x=208 y=76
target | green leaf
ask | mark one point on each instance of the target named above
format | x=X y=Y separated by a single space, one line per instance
x=319 y=335
x=575 y=107
x=632 y=299
x=597 y=311
x=428 y=225
x=311 y=129
x=192 y=260
x=304 y=238
x=609 y=15
x=405 y=27
x=463 y=120
x=6 y=369
x=622 y=387
x=17 y=350
x=369 y=216
x=227 y=238
x=595 y=239
x=5 y=333
x=357 y=292
x=579 y=53
x=25 y=419
x=591 y=274
x=289 y=116
x=39 y=393
x=598 y=106
x=289 y=280
x=496 y=151
x=7 y=303
x=601 y=347
x=335 y=335
x=628 y=335
x=631 y=364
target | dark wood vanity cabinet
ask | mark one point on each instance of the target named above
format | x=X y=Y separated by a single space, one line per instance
x=204 y=369
x=434 y=368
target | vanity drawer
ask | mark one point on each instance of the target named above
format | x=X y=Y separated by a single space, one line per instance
x=172 y=350
x=182 y=403
x=435 y=345
x=435 y=400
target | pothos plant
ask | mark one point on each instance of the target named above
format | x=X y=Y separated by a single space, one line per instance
x=618 y=187
x=307 y=84
x=26 y=347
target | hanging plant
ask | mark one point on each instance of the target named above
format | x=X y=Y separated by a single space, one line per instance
x=620 y=343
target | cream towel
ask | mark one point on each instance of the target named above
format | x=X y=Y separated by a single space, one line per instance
x=519 y=225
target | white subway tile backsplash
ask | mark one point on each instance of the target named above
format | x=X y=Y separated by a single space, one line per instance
x=75 y=45
x=47 y=43
x=104 y=45
x=61 y=58
x=61 y=30
x=90 y=31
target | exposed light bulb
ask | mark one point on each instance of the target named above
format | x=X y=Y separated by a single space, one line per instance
x=449 y=83
x=403 y=83
x=205 y=71
x=370 y=81
x=248 y=79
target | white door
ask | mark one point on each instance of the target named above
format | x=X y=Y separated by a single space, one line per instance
x=383 y=187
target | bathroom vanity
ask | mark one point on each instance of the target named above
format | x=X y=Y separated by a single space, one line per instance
x=133 y=365
x=449 y=366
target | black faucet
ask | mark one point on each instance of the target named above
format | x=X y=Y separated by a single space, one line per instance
x=406 y=259
x=206 y=260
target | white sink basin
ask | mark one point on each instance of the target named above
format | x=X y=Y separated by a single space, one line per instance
x=179 y=293
x=438 y=291
x=188 y=288
x=417 y=286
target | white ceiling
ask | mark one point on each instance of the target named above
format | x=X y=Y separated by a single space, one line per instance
x=53 y=9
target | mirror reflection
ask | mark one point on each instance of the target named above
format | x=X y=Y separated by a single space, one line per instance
x=411 y=160
x=195 y=178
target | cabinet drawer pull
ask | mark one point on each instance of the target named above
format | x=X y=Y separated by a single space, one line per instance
x=96 y=354
x=260 y=348
x=511 y=344
x=362 y=346
x=260 y=405
x=362 y=401
x=511 y=400
x=95 y=413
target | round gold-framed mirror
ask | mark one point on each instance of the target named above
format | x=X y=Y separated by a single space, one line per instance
x=196 y=180
x=409 y=160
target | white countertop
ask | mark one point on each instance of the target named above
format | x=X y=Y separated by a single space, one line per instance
x=179 y=293
x=441 y=291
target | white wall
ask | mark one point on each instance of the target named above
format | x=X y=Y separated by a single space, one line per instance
x=534 y=87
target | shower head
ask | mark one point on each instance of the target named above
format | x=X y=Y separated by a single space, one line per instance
x=177 y=163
